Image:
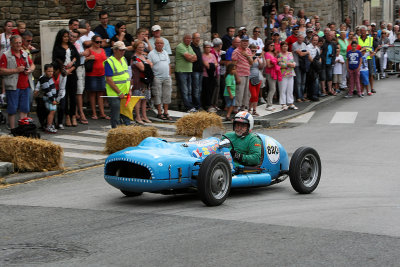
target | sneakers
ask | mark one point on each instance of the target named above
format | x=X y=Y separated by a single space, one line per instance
x=192 y=110
x=369 y=93
x=284 y=107
x=361 y=95
x=61 y=126
x=212 y=110
x=50 y=129
x=270 y=108
x=293 y=107
x=348 y=96
x=262 y=101
x=373 y=91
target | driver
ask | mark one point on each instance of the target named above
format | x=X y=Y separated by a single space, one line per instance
x=246 y=146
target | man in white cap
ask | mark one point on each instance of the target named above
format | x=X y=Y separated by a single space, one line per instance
x=242 y=31
x=117 y=81
x=156 y=33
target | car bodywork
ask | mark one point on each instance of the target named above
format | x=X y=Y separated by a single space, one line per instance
x=158 y=166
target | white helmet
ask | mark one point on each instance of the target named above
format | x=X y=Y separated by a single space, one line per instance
x=244 y=117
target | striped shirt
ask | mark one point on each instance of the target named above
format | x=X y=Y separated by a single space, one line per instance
x=242 y=64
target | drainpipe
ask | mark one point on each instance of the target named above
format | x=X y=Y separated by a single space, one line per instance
x=342 y=9
x=151 y=13
x=137 y=15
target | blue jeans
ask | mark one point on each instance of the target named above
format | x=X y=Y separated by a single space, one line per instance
x=18 y=100
x=197 y=78
x=300 y=82
x=116 y=117
x=185 y=84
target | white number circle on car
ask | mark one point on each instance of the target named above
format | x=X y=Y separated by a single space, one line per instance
x=272 y=151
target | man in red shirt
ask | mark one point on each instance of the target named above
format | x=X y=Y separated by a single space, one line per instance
x=292 y=38
x=16 y=68
x=243 y=59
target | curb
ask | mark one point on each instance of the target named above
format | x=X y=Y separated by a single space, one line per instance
x=25 y=177
x=266 y=123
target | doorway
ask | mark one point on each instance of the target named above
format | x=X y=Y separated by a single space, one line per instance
x=222 y=15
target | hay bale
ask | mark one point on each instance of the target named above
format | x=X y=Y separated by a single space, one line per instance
x=194 y=124
x=31 y=154
x=127 y=136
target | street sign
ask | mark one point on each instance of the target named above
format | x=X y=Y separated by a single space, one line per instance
x=91 y=4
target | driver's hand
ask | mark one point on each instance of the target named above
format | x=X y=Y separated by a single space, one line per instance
x=236 y=155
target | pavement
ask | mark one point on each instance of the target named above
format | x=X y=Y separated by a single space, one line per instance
x=84 y=145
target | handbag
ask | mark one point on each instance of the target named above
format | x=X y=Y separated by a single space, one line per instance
x=89 y=65
x=255 y=80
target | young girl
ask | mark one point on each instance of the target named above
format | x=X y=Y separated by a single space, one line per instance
x=230 y=88
x=338 y=70
x=364 y=73
x=49 y=88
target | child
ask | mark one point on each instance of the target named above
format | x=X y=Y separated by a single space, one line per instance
x=51 y=90
x=337 y=70
x=353 y=66
x=364 y=73
x=20 y=29
x=230 y=89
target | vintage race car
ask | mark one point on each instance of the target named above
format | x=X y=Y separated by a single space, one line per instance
x=206 y=166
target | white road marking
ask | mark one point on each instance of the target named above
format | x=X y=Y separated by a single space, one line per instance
x=344 y=117
x=79 y=147
x=84 y=155
x=303 y=118
x=388 y=118
x=94 y=132
x=80 y=138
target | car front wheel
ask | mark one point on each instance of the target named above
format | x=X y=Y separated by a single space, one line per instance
x=214 y=180
x=305 y=170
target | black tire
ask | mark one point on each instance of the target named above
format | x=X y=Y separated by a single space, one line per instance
x=131 y=194
x=214 y=180
x=305 y=170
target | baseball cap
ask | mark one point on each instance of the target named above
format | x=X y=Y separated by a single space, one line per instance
x=156 y=28
x=244 y=38
x=119 y=45
x=373 y=24
x=310 y=30
x=242 y=28
x=295 y=27
x=275 y=33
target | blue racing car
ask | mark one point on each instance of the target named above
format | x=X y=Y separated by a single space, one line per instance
x=206 y=166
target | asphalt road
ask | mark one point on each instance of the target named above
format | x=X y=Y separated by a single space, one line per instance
x=352 y=219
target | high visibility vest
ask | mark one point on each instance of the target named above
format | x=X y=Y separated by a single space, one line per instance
x=120 y=76
x=368 y=43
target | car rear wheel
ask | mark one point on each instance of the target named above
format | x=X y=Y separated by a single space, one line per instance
x=214 y=180
x=131 y=194
x=305 y=170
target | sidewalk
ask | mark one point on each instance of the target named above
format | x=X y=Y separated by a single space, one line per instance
x=83 y=145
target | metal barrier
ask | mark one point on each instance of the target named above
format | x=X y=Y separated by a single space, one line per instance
x=393 y=54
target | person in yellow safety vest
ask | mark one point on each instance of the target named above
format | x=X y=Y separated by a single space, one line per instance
x=368 y=42
x=117 y=82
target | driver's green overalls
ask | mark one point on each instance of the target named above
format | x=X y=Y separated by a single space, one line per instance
x=249 y=146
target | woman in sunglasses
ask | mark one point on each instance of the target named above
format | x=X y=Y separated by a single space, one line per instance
x=95 y=82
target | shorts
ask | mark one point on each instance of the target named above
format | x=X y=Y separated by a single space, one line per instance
x=18 y=99
x=371 y=67
x=326 y=73
x=95 y=83
x=337 y=78
x=80 y=85
x=229 y=102
x=364 y=77
x=161 y=89
x=49 y=105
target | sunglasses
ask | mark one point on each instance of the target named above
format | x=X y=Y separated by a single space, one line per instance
x=253 y=50
x=98 y=42
x=28 y=41
x=257 y=31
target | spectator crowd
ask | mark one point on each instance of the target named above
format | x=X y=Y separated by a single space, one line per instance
x=300 y=60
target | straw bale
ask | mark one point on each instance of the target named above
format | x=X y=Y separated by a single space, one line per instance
x=194 y=124
x=31 y=154
x=127 y=136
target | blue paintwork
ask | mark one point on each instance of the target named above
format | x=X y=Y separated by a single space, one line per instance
x=163 y=160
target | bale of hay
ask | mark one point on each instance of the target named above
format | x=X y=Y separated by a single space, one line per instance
x=127 y=136
x=194 y=124
x=31 y=154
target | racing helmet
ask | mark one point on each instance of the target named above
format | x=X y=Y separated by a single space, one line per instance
x=25 y=121
x=244 y=117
